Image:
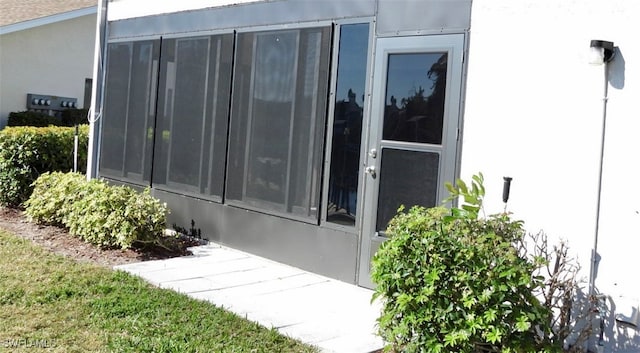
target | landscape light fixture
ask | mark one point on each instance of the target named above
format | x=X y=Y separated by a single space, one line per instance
x=601 y=52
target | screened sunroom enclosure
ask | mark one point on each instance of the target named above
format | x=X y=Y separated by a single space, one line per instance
x=289 y=129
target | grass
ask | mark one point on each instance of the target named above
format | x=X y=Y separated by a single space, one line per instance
x=48 y=301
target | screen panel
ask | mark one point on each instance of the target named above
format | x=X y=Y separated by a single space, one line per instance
x=407 y=178
x=277 y=122
x=193 y=107
x=129 y=113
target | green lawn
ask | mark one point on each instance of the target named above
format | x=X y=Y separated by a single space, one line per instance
x=48 y=301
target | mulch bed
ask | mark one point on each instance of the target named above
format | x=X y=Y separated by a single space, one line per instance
x=58 y=240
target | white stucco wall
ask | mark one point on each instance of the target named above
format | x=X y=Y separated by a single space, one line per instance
x=534 y=112
x=53 y=59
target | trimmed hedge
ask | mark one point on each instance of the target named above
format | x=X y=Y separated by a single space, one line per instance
x=71 y=117
x=28 y=118
x=68 y=117
x=101 y=214
x=27 y=152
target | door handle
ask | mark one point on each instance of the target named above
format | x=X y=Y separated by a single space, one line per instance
x=371 y=170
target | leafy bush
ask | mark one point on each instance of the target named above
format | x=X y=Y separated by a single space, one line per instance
x=101 y=214
x=71 y=117
x=27 y=152
x=68 y=117
x=452 y=282
x=53 y=197
x=29 y=118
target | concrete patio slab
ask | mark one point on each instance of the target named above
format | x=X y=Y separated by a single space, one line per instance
x=334 y=316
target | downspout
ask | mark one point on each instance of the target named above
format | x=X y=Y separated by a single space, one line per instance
x=95 y=112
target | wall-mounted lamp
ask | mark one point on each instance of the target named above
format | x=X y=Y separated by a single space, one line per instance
x=601 y=52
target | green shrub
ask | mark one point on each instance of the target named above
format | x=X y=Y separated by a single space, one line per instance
x=452 y=282
x=68 y=117
x=27 y=152
x=53 y=196
x=101 y=214
x=71 y=117
x=29 y=118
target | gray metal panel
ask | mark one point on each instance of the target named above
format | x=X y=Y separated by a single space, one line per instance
x=118 y=182
x=239 y=16
x=325 y=251
x=423 y=16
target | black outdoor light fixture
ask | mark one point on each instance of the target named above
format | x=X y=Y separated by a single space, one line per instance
x=601 y=52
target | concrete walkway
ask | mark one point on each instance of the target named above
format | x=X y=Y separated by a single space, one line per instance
x=332 y=315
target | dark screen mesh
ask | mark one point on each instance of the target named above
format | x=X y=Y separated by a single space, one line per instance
x=277 y=122
x=193 y=106
x=130 y=87
x=407 y=178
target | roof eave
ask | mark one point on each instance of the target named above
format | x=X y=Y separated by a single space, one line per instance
x=20 y=26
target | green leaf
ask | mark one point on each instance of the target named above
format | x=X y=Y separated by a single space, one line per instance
x=450 y=187
x=522 y=323
x=471 y=209
x=462 y=186
x=490 y=315
x=494 y=335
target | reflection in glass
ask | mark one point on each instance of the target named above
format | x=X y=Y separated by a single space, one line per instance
x=347 y=125
x=276 y=132
x=407 y=178
x=415 y=97
x=273 y=91
x=129 y=110
x=195 y=79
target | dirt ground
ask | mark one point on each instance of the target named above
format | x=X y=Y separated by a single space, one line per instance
x=58 y=240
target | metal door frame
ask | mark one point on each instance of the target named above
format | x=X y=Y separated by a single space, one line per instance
x=453 y=44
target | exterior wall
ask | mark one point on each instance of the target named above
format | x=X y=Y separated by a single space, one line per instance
x=53 y=59
x=534 y=112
